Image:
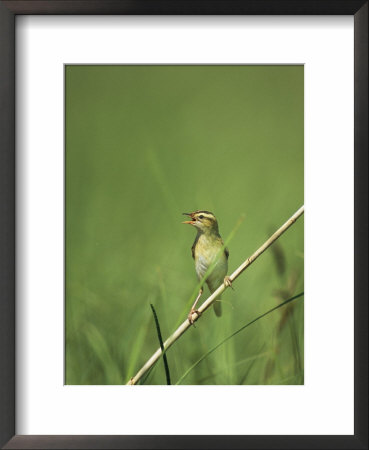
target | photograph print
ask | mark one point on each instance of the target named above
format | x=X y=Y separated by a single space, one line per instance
x=175 y=177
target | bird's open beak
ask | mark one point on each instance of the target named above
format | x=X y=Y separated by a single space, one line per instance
x=190 y=222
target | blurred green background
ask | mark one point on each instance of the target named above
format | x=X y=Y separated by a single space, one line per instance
x=143 y=145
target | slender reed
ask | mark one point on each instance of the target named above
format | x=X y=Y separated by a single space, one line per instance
x=166 y=366
x=209 y=301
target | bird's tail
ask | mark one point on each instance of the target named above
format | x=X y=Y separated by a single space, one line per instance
x=217 y=307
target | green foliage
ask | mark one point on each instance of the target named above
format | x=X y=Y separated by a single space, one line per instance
x=143 y=145
x=232 y=335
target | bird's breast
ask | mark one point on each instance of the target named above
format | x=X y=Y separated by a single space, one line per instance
x=202 y=265
x=205 y=254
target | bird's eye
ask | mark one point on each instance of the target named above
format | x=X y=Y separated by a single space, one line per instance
x=201 y=217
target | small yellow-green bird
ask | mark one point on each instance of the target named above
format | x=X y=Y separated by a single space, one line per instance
x=205 y=250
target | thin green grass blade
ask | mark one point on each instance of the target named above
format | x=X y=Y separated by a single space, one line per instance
x=234 y=334
x=136 y=349
x=287 y=380
x=166 y=366
x=295 y=344
x=102 y=353
x=250 y=359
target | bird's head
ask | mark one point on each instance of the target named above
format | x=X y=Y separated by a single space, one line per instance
x=204 y=221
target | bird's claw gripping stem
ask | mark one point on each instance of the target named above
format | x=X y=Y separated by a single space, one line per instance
x=228 y=282
x=193 y=311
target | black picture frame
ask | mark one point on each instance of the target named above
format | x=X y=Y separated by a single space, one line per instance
x=8 y=12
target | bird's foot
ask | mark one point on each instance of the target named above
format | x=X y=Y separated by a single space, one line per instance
x=193 y=311
x=228 y=282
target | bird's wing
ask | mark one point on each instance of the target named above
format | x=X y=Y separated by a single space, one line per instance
x=194 y=245
x=226 y=251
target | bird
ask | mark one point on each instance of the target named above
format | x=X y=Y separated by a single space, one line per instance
x=208 y=248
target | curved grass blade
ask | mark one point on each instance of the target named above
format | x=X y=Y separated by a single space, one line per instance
x=250 y=359
x=166 y=366
x=234 y=334
x=137 y=349
x=102 y=352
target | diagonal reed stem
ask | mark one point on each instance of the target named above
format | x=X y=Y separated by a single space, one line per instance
x=210 y=300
